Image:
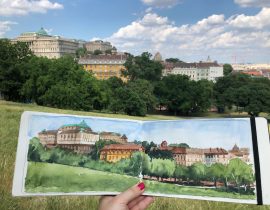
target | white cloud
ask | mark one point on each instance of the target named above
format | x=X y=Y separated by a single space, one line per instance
x=161 y=3
x=5 y=26
x=253 y=3
x=244 y=36
x=259 y=21
x=24 y=7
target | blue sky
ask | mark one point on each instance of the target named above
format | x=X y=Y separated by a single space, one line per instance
x=197 y=133
x=188 y=29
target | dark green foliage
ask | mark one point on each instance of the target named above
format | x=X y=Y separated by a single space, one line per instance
x=244 y=92
x=180 y=145
x=97 y=52
x=183 y=96
x=161 y=154
x=227 y=69
x=142 y=67
x=81 y=52
x=173 y=60
x=63 y=83
x=14 y=59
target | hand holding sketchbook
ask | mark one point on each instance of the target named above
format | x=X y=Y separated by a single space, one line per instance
x=208 y=159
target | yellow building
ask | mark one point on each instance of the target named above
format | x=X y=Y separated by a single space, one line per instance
x=115 y=152
x=104 y=66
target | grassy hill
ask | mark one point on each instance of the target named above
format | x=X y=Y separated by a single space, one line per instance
x=9 y=127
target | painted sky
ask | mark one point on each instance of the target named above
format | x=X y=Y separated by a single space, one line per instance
x=197 y=133
x=227 y=30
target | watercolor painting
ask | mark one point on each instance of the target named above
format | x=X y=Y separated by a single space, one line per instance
x=212 y=158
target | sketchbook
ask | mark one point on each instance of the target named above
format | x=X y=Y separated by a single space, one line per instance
x=224 y=159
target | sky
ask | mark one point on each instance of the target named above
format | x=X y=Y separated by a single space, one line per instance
x=196 y=133
x=228 y=31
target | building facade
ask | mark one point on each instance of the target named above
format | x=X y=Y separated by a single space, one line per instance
x=104 y=66
x=196 y=71
x=77 y=137
x=98 y=45
x=107 y=136
x=44 y=45
x=115 y=152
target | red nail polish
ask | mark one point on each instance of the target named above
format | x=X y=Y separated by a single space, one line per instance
x=141 y=186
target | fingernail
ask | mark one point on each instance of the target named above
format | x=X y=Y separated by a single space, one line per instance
x=141 y=186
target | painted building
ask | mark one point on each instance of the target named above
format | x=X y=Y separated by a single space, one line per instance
x=116 y=152
x=208 y=156
x=44 y=45
x=241 y=153
x=77 y=137
x=104 y=66
x=114 y=137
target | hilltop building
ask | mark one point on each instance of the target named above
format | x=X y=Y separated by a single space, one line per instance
x=77 y=137
x=116 y=152
x=44 y=45
x=92 y=46
x=208 y=156
x=158 y=57
x=104 y=66
x=113 y=137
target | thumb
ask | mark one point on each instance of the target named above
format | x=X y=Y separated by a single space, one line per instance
x=131 y=193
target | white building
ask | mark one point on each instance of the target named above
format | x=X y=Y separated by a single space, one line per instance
x=44 y=45
x=198 y=71
x=246 y=67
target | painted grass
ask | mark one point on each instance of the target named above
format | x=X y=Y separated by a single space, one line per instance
x=46 y=177
x=9 y=127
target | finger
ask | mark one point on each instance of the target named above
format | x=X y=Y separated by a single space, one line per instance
x=131 y=193
x=143 y=204
x=105 y=199
x=135 y=201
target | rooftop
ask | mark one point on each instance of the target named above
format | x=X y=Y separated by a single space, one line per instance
x=123 y=147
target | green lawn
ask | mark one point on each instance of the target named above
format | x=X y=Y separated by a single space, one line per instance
x=46 y=177
x=10 y=114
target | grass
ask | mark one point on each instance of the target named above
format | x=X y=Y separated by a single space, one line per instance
x=9 y=127
x=46 y=177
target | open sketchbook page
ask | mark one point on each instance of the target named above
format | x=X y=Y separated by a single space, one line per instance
x=203 y=159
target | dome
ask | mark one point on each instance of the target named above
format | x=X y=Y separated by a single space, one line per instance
x=42 y=31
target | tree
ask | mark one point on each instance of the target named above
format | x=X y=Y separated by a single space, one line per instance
x=227 y=69
x=14 y=60
x=181 y=172
x=97 y=52
x=180 y=145
x=247 y=94
x=161 y=154
x=109 y=51
x=197 y=172
x=144 y=90
x=173 y=60
x=80 y=52
x=217 y=171
x=142 y=67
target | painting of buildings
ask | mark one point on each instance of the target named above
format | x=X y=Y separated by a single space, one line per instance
x=113 y=136
x=116 y=152
x=208 y=156
x=77 y=137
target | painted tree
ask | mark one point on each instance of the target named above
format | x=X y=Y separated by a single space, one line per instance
x=240 y=173
x=181 y=172
x=197 y=172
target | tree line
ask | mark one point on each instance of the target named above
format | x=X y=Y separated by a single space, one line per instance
x=63 y=83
